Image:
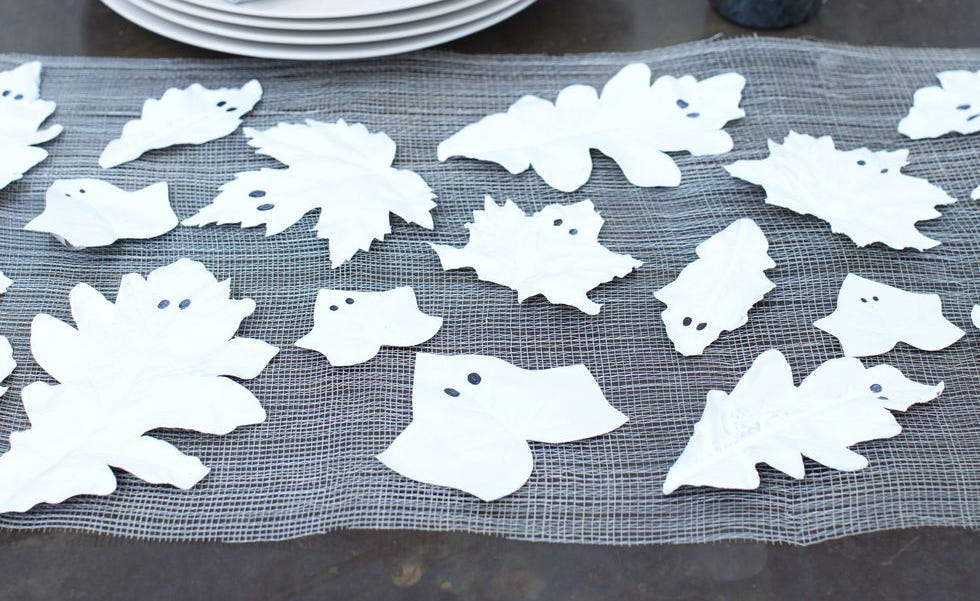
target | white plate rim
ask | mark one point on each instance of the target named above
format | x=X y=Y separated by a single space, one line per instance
x=350 y=10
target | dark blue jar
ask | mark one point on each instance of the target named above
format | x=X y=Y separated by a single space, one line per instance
x=767 y=14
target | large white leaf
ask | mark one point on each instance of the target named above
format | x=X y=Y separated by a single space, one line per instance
x=632 y=122
x=341 y=169
x=473 y=415
x=715 y=293
x=7 y=363
x=861 y=193
x=194 y=115
x=555 y=252
x=154 y=359
x=21 y=114
x=954 y=106
x=766 y=419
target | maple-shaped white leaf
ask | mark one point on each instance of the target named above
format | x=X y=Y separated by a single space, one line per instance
x=472 y=416
x=156 y=358
x=7 y=363
x=343 y=170
x=351 y=327
x=632 y=122
x=861 y=193
x=21 y=114
x=193 y=115
x=5 y=283
x=953 y=106
x=555 y=252
x=871 y=318
x=89 y=212
x=766 y=419
x=714 y=293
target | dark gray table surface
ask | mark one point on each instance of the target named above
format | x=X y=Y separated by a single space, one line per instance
x=915 y=564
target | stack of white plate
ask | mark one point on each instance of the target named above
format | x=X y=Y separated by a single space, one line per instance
x=316 y=29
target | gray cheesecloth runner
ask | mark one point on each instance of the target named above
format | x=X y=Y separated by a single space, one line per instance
x=311 y=468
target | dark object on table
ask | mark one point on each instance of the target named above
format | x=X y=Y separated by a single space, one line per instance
x=767 y=14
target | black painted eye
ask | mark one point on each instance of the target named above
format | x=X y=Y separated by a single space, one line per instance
x=687 y=321
x=874 y=298
x=682 y=104
x=265 y=207
x=222 y=103
x=334 y=307
x=573 y=231
x=876 y=388
x=257 y=193
x=558 y=222
x=5 y=93
x=962 y=107
x=19 y=97
x=862 y=162
x=701 y=326
x=349 y=301
x=230 y=109
x=185 y=303
x=474 y=378
x=693 y=115
x=163 y=304
x=452 y=392
x=864 y=300
x=972 y=117
x=81 y=191
x=885 y=170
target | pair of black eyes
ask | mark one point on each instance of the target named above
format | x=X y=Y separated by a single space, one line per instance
x=259 y=194
x=349 y=301
x=874 y=298
x=862 y=163
x=683 y=104
x=474 y=379
x=558 y=222
x=80 y=191
x=229 y=109
x=688 y=321
x=166 y=303
x=6 y=93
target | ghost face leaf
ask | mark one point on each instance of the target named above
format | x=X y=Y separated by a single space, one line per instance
x=555 y=252
x=153 y=359
x=340 y=169
x=953 y=106
x=632 y=122
x=862 y=194
x=21 y=114
x=766 y=419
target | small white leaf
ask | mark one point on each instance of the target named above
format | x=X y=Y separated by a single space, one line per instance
x=89 y=212
x=555 y=252
x=975 y=315
x=632 y=122
x=7 y=363
x=341 y=169
x=473 y=415
x=871 y=318
x=21 y=114
x=975 y=195
x=938 y=110
x=715 y=293
x=766 y=419
x=194 y=115
x=350 y=327
x=154 y=359
x=862 y=194
x=5 y=283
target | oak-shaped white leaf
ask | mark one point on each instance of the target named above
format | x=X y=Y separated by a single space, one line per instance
x=193 y=115
x=7 y=363
x=714 y=293
x=21 y=114
x=156 y=358
x=953 y=106
x=351 y=327
x=632 y=122
x=861 y=193
x=871 y=318
x=472 y=416
x=5 y=283
x=89 y=212
x=766 y=419
x=342 y=170
x=555 y=252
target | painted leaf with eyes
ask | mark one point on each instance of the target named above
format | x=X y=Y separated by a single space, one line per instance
x=632 y=122
x=193 y=115
x=342 y=170
x=22 y=112
x=861 y=193
x=351 y=327
x=715 y=293
x=7 y=363
x=952 y=106
x=89 y=212
x=871 y=318
x=156 y=358
x=766 y=419
x=472 y=416
x=555 y=252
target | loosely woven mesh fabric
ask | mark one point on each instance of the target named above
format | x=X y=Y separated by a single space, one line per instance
x=311 y=467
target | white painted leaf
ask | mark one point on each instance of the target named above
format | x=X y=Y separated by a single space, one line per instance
x=632 y=122
x=341 y=169
x=351 y=327
x=953 y=106
x=871 y=318
x=89 y=212
x=766 y=419
x=7 y=363
x=555 y=252
x=154 y=359
x=472 y=416
x=715 y=293
x=975 y=315
x=21 y=114
x=5 y=283
x=975 y=195
x=193 y=115
x=861 y=193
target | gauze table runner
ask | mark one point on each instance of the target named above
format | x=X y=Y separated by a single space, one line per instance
x=311 y=468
